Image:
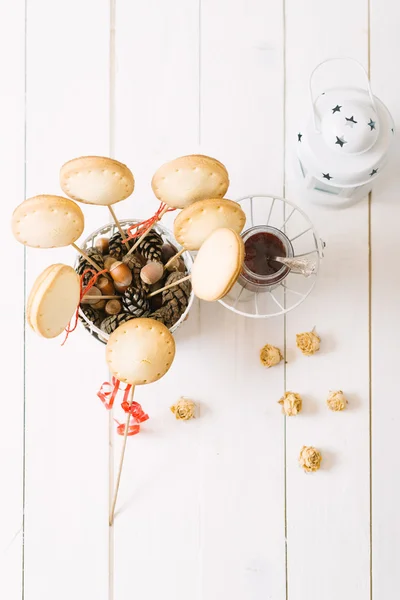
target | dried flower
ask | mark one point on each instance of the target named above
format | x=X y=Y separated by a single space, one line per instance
x=270 y=356
x=310 y=459
x=336 y=400
x=291 y=404
x=184 y=409
x=308 y=342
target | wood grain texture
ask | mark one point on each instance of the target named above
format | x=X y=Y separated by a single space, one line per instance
x=12 y=173
x=66 y=533
x=216 y=507
x=156 y=530
x=243 y=535
x=385 y=286
x=328 y=512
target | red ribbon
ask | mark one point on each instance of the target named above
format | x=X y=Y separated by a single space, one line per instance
x=96 y=274
x=143 y=226
x=133 y=429
x=108 y=397
x=135 y=410
x=107 y=394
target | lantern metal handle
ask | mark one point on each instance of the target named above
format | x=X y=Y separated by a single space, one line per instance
x=348 y=58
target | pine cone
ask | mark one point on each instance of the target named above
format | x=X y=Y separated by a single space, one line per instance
x=135 y=265
x=116 y=246
x=176 y=298
x=151 y=246
x=135 y=302
x=165 y=314
x=180 y=292
x=91 y=314
x=110 y=324
x=83 y=264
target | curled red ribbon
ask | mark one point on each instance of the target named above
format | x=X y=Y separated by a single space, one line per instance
x=107 y=394
x=83 y=290
x=133 y=429
x=135 y=410
x=143 y=226
x=108 y=397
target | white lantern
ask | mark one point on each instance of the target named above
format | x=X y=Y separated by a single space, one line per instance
x=343 y=147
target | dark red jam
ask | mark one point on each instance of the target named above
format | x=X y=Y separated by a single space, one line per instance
x=258 y=248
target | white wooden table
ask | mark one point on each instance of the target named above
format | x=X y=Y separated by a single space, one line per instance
x=217 y=508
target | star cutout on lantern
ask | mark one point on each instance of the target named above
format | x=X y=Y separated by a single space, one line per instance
x=371 y=124
x=350 y=122
x=327 y=176
x=336 y=109
x=341 y=141
x=373 y=172
x=299 y=136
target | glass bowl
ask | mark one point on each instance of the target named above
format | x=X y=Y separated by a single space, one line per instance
x=107 y=231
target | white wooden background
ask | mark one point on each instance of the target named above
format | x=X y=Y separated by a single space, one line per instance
x=218 y=507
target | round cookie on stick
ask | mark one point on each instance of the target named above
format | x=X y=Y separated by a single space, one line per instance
x=53 y=300
x=197 y=221
x=216 y=267
x=138 y=352
x=188 y=179
x=97 y=180
x=185 y=180
x=48 y=221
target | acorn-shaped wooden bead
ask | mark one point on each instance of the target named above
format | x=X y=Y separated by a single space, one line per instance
x=102 y=245
x=152 y=272
x=113 y=307
x=120 y=288
x=121 y=273
x=108 y=261
x=87 y=298
x=105 y=286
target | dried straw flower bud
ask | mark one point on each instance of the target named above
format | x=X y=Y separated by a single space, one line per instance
x=270 y=356
x=336 y=401
x=310 y=459
x=308 y=342
x=184 y=409
x=291 y=404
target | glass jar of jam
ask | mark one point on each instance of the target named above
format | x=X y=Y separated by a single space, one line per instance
x=259 y=272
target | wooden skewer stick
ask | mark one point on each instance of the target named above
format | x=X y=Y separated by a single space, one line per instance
x=166 y=287
x=121 y=460
x=100 y=298
x=136 y=244
x=177 y=255
x=86 y=257
x=118 y=224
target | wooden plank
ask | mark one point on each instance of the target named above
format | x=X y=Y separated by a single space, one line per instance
x=385 y=285
x=12 y=124
x=328 y=512
x=156 y=531
x=66 y=536
x=242 y=518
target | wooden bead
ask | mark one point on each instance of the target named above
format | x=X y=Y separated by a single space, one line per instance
x=105 y=286
x=94 y=291
x=108 y=261
x=102 y=245
x=100 y=304
x=121 y=289
x=121 y=273
x=113 y=307
x=152 y=272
